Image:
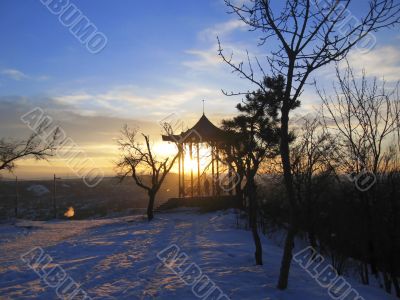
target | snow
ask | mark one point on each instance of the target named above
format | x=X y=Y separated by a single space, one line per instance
x=38 y=189
x=117 y=258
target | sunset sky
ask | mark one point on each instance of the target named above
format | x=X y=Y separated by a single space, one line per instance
x=160 y=58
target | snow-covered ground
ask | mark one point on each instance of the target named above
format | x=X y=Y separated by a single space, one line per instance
x=38 y=189
x=117 y=259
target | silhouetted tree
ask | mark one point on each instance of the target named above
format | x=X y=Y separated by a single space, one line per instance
x=309 y=37
x=367 y=116
x=313 y=162
x=38 y=145
x=255 y=138
x=139 y=160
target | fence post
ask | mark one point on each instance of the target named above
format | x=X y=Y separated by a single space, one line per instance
x=16 y=197
x=54 y=196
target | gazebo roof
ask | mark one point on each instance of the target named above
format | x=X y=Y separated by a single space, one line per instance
x=202 y=131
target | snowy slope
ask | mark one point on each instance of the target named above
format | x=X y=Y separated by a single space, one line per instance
x=117 y=259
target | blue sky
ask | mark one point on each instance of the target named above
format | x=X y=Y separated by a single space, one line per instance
x=148 y=46
x=162 y=49
x=161 y=58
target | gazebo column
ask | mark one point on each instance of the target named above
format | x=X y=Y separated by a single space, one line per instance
x=183 y=170
x=179 y=172
x=212 y=171
x=191 y=169
x=230 y=181
x=230 y=175
x=198 y=171
x=217 y=181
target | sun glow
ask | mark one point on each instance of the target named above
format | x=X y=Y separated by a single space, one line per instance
x=164 y=149
x=70 y=212
x=192 y=163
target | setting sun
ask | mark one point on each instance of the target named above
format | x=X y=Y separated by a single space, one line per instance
x=213 y=149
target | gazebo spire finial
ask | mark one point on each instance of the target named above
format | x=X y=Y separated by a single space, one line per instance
x=203 y=105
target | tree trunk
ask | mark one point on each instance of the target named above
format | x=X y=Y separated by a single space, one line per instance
x=150 y=206
x=287 y=257
x=365 y=274
x=312 y=239
x=372 y=259
x=239 y=195
x=253 y=220
x=387 y=282
x=287 y=174
x=257 y=242
x=396 y=285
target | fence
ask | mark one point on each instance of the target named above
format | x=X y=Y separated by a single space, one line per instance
x=51 y=197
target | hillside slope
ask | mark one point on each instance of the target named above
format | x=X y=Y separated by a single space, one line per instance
x=117 y=259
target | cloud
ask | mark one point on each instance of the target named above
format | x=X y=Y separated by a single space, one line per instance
x=209 y=60
x=95 y=135
x=208 y=57
x=74 y=98
x=221 y=30
x=133 y=101
x=235 y=46
x=381 y=62
x=90 y=131
x=19 y=75
x=204 y=59
x=83 y=129
x=14 y=74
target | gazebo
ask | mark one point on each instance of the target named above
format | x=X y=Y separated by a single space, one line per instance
x=203 y=132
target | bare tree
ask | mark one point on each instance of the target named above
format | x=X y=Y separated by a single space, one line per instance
x=308 y=39
x=139 y=159
x=38 y=145
x=367 y=118
x=313 y=162
x=390 y=246
x=365 y=115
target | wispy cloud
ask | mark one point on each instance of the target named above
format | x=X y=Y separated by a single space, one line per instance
x=382 y=62
x=203 y=59
x=14 y=74
x=207 y=59
x=18 y=75
x=73 y=98
x=132 y=101
x=221 y=30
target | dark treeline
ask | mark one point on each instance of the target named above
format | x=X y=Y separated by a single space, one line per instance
x=345 y=164
x=336 y=223
x=302 y=37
